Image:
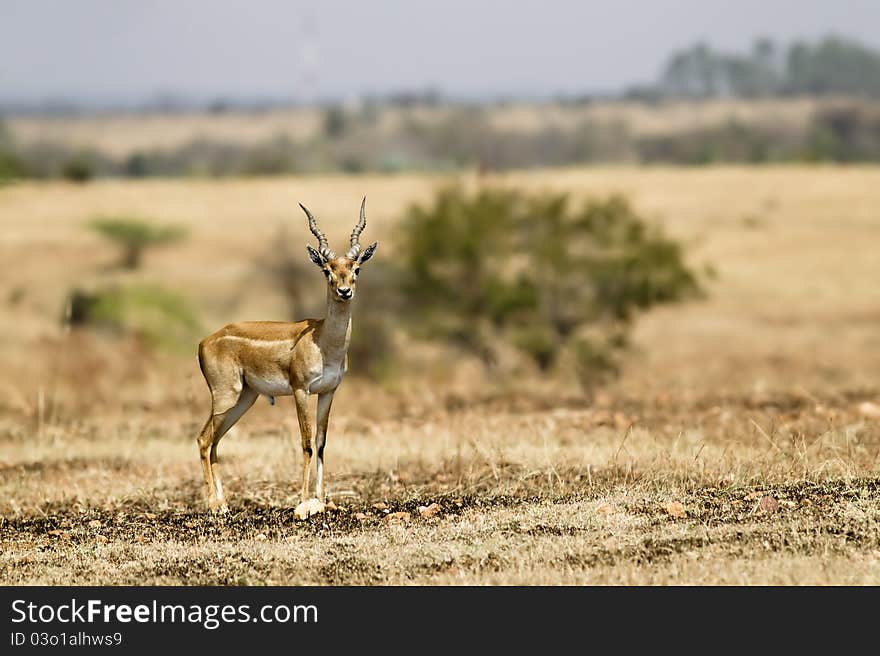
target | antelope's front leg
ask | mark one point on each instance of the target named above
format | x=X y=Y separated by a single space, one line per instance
x=323 y=417
x=305 y=429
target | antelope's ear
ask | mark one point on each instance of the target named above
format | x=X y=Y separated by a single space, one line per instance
x=315 y=256
x=367 y=254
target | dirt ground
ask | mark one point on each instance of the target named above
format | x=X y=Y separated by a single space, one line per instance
x=740 y=445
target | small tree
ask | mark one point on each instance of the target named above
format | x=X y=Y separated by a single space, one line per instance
x=134 y=236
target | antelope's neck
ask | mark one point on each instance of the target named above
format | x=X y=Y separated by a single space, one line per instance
x=336 y=332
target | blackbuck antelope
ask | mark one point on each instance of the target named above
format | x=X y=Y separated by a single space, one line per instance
x=276 y=358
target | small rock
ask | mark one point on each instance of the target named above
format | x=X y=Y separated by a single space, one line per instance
x=380 y=505
x=360 y=516
x=397 y=518
x=330 y=506
x=95 y=523
x=768 y=504
x=149 y=516
x=605 y=509
x=675 y=509
x=429 y=511
x=751 y=496
x=308 y=508
x=101 y=539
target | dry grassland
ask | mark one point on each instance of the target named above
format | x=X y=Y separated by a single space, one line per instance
x=740 y=445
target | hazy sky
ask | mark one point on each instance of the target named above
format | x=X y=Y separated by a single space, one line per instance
x=130 y=50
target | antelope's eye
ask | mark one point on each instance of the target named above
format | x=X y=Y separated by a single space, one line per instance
x=357 y=271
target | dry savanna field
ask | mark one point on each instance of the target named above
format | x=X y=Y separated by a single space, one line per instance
x=740 y=445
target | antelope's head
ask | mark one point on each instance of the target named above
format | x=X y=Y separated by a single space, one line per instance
x=342 y=271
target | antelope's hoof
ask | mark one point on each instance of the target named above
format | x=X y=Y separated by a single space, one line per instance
x=218 y=507
x=308 y=508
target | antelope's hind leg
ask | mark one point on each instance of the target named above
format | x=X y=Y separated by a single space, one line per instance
x=216 y=427
x=229 y=418
x=206 y=441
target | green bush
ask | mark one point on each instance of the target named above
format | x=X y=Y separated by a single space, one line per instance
x=535 y=272
x=162 y=318
x=11 y=164
x=134 y=236
x=336 y=122
x=844 y=132
x=78 y=168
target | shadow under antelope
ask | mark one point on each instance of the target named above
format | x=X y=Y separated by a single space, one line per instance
x=278 y=358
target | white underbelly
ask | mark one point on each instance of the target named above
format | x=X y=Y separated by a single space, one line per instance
x=326 y=381
x=279 y=386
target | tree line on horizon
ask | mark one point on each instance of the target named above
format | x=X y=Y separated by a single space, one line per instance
x=833 y=65
x=843 y=128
